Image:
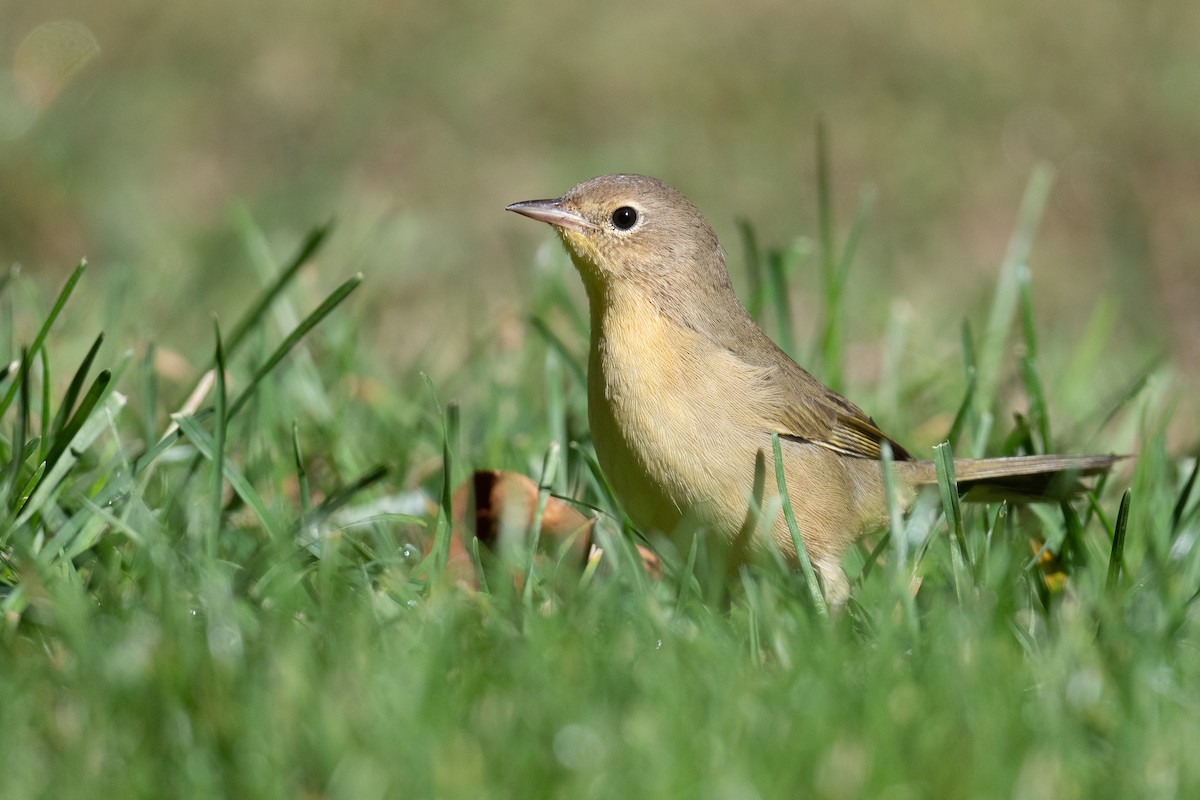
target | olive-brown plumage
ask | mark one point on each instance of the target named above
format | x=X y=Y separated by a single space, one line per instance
x=685 y=390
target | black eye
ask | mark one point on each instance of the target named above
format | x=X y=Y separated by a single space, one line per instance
x=624 y=218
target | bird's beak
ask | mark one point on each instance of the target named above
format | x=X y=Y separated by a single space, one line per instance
x=553 y=212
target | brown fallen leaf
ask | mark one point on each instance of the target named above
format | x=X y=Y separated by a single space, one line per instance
x=493 y=502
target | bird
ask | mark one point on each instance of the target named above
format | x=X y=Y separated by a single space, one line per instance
x=685 y=392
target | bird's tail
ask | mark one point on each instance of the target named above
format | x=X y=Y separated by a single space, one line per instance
x=1018 y=478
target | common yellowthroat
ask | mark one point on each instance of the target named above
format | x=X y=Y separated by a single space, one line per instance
x=685 y=390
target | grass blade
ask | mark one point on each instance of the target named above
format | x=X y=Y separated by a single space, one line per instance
x=943 y=459
x=90 y=427
x=44 y=408
x=1184 y=495
x=94 y=395
x=834 y=289
x=340 y=497
x=557 y=344
x=439 y=554
x=1038 y=412
x=831 y=363
x=810 y=576
x=76 y=385
x=545 y=485
x=970 y=368
x=149 y=394
x=220 y=423
x=206 y=446
x=1004 y=304
x=825 y=210
x=13 y=476
x=292 y=339
x=1117 y=555
x=556 y=412
x=40 y=338
x=301 y=471
x=21 y=428
x=312 y=243
x=778 y=263
x=1128 y=394
x=1075 y=544
x=754 y=269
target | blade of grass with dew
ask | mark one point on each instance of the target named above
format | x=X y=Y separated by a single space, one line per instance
x=40 y=339
x=810 y=576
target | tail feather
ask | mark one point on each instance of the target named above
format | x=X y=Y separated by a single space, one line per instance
x=1018 y=478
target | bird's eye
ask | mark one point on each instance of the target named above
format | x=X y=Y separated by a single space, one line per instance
x=624 y=218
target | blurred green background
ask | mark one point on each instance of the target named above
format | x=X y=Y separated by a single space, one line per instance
x=143 y=135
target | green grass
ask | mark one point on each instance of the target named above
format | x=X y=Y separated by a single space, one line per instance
x=233 y=599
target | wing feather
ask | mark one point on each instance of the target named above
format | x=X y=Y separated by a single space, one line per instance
x=815 y=414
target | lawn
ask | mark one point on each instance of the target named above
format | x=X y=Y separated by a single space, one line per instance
x=229 y=440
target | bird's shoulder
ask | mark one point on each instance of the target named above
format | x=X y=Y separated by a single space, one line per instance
x=802 y=408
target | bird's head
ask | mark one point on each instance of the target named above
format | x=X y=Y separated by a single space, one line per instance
x=622 y=229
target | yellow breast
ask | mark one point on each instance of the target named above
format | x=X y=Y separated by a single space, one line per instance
x=658 y=404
